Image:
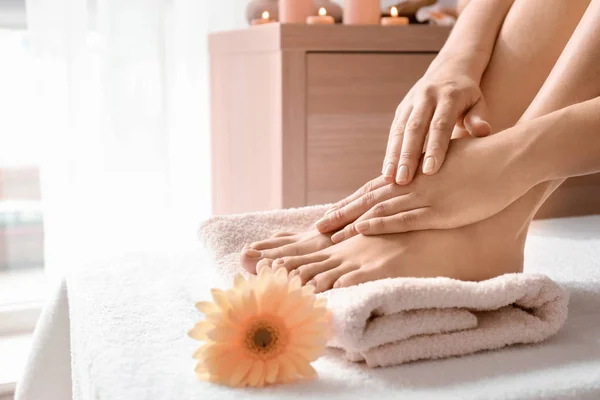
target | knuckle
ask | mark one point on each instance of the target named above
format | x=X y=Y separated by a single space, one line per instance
x=429 y=91
x=408 y=155
x=415 y=125
x=392 y=155
x=336 y=216
x=406 y=219
x=440 y=124
x=435 y=148
x=367 y=188
x=451 y=92
x=397 y=131
x=368 y=200
x=379 y=209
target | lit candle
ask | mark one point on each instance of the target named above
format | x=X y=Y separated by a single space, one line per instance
x=266 y=18
x=394 y=19
x=322 y=18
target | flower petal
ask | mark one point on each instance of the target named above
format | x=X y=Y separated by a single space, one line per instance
x=206 y=307
x=302 y=365
x=295 y=283
x=199 y=330
x=220 y=298
x=308 y=290
x=238 y=281
x=222 y=334
x=287 y=370
x=289 y=303
x=240 y=371
x=256 y=373
x=272 y=367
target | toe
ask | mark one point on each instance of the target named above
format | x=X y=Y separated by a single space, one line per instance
x=272 y=243
x=291 y=263
x=283 y=234
x=357 y=276
x=308 y=272
x=326 y=279
x=289 y=250
x=265 y=262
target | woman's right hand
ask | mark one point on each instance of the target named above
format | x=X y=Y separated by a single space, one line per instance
x=444 y=97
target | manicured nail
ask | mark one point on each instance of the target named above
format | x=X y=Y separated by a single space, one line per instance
x=253 y=253
x=337 y=284
x=338 y=236
x=362 y=226
x=428 y=165
x=402 y=173
x=388 y=170
x=323 y=223
x=332 y=209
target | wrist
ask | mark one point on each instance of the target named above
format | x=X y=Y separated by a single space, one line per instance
x=471 y=62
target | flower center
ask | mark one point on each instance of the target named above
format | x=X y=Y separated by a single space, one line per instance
x=265 y=338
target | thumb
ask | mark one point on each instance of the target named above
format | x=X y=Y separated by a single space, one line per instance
x=475 y=120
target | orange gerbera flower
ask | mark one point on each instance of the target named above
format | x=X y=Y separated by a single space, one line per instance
x=265 y=330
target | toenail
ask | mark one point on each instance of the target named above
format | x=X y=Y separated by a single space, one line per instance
x=278 y=261
x=337 y=284
x=253 y=253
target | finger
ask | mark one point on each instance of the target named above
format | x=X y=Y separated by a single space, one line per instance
x=414 y=137
x=366 y=188
x=440 y=131
x=475 y=120
x=395 y=139
x=382 y=208
x=349 y=213
x=412 y=220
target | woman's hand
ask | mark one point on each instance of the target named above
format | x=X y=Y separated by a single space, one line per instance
x=480 y=178
x=447 y=95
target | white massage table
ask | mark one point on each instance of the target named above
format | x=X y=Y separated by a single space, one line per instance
x=117 y=330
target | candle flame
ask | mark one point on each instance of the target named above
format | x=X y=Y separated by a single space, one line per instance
x=322 y=11
x=265 y=15
x=394 y=12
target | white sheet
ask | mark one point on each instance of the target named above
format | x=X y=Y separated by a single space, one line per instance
x=129 y=319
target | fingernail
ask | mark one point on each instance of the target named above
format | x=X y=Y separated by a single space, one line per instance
x=323 y=223
x=332 y=209
x=337 y=284
x=338 y=237
x=388 y=170
x=428 y=165
x=402 y=173
x=362 y=226
x=253 y=253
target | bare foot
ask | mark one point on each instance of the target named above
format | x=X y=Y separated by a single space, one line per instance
x=282 y=245
x=474 y=252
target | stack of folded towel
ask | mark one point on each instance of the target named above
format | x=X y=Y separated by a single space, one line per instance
x=392 y=321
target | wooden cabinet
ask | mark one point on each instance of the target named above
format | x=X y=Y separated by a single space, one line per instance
x=301 y=114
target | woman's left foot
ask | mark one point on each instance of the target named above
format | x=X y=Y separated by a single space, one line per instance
x=474 y=252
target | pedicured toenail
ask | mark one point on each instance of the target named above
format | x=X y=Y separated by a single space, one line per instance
x=253 y=253
x=278 y=261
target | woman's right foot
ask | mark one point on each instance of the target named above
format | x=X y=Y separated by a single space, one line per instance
x=283 y=244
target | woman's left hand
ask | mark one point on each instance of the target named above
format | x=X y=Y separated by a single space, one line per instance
x=479 y=178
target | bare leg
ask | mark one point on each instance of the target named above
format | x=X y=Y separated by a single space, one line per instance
x=518 y=67
x=493 y=246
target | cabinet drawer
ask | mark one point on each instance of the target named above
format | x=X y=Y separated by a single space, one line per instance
x=351 y=100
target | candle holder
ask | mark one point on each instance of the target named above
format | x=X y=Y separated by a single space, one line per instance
x=333 y=9
x=256 y=8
